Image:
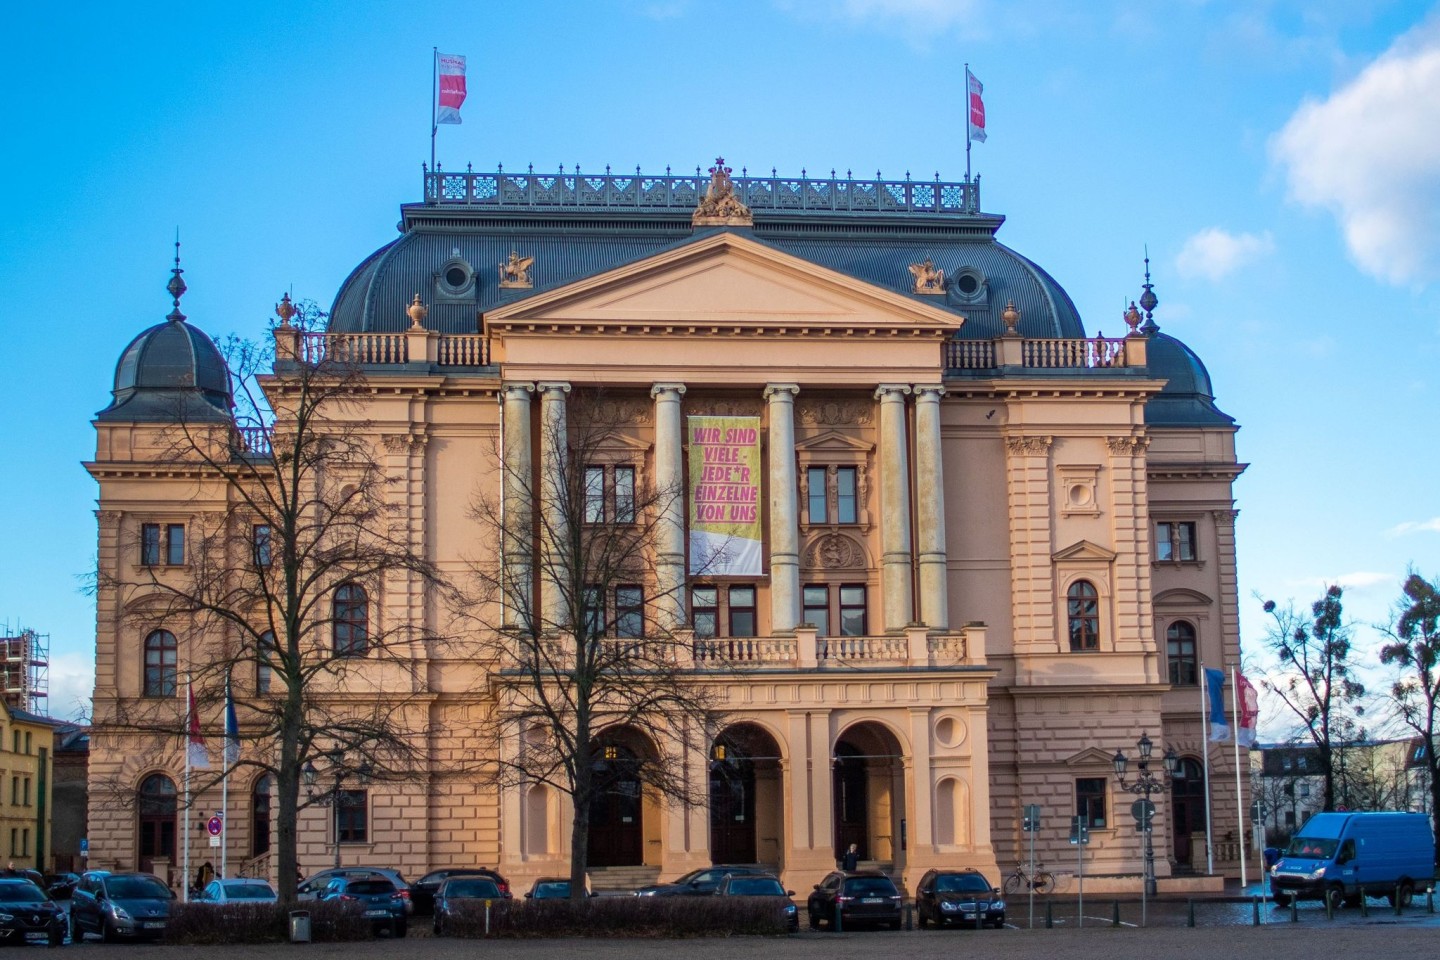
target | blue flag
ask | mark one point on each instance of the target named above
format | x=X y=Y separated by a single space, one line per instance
x=232 y=728
x=1215 y=699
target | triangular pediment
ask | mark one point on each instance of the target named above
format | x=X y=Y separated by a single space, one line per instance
x=833 y=440
x=1084 y=550
x=1088 y=757
x=727 y=280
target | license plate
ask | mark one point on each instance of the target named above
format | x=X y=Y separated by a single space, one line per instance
x=969 y=914
x=154 y=925
x=37 y=935
x=873 y=900
x=377 y=913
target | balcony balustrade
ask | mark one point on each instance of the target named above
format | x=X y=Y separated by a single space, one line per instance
x=1093 y=353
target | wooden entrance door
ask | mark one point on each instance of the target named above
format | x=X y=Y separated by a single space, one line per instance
x=156 y=815
x=732 y=811
x=852 y=802
x=1187 y=804
x=617 y=829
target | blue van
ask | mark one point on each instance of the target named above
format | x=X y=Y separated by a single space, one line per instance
x=1341 y=857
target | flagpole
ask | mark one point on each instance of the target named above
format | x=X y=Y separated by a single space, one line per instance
x=967 y=123
x=185 y=810
x=225 y=785
x=1209 y=722
x=1239 y=792
x=434 y=100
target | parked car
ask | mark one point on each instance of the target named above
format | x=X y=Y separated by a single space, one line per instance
x=378 y=898
x=763 y=885
x=237 y=890
x=551 y=888
x=454 y=892
x=27 y=915
x=697 y=883
x=1342 y=857
x=958 y=896
x=311 y=888
x=422 y=891
x=116 y=906
x=864 y=897
x=61 y=885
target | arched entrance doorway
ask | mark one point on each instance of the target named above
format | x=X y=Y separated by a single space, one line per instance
x=1187 y=804
x=260 y=816
x=155 y=808
x=746 y=805
x=868 y=783
x=617 y=806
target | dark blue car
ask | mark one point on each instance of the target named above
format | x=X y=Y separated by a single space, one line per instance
x=377 y=897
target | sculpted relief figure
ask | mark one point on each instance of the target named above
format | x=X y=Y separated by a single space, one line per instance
x=515 y=272
x=928 y=279
x=720 y=205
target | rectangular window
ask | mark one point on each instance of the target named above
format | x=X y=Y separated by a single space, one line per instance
x=261 y=539
x=25 y=793
x=742 y=611
x=150 y=544
x=14 y=791
x=264 y=672
x=816 y=608
x=14 y=841
x=27 y=742
x=594 y=494
x=175 y=544
x=846 y=510
x=351 y=816
x=852 y=610
x=594 y=611
x=815 y=484
x=25 y=842
x=15 y=740
x=1090 y=800
x=705 y=611
x=629 y=611
x=1175 y=540
x=624 y=494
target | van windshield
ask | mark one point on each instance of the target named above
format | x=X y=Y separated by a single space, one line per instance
x=1315 y=848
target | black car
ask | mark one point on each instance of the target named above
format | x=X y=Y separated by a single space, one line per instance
x=958 y=896
x=551 y=888
x=763 y=885
x=422 y=891
x=456 y=892
x=697 y=883
x=867 y=897
x=379 y=899
x=61 y=885
x=119 y=906
x=27 y=915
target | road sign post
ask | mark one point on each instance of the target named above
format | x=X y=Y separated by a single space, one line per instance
x=1032 y=826
x=1080 y=836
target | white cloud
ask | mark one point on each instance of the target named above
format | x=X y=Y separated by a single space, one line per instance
x=1414 y=526
x=1213 y=253
x=1370 y=154
x=72 y=681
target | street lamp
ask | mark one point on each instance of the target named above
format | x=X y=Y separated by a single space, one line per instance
x=1145 y=784
x=339 y=771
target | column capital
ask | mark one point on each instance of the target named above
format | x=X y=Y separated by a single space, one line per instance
x=516 y=389
x=783 y=392
x=892 y=391
x=660 y=390
x=552 y=386
x=929 y=391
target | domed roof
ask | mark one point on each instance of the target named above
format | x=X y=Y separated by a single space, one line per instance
x=171 y=371
x=1188 y=399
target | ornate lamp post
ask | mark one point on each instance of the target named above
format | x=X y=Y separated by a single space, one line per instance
x=331 y=798
x=1145 y=784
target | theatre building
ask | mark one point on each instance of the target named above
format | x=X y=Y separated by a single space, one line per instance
x=986 y=549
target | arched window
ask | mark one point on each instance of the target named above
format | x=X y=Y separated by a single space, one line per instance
x=1083 y=614
x=155 y=807
x=351 y=618
x=1180 y=648
x=264 y=653
x=260 y=816
x=160 y=664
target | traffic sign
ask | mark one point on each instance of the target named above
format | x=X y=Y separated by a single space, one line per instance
x=214 y=841
x=1032 y=817
x=1142 y=811
x=1079 y=831
x=84 y=847
x=215 y=826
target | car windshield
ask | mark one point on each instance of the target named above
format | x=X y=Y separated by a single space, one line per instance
x=370 y=887
x=755 y=887
x=248 y=891
x=869 y=887
x=136 y=888
x=25 y=892
x=478 y=889
x=1318 y=848
x=961 y=883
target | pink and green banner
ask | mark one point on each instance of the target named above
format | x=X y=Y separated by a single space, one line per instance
x=725 y=536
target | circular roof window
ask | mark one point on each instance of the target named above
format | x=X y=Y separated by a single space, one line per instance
x=968 y=284
x=456 y=276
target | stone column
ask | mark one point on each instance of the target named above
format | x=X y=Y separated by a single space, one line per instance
x=784 y=516
x=930 y=508
x=895 y=575
x=516 y=506
x=554 y=447
x=670 y=498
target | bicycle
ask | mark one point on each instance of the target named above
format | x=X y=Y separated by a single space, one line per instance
x=1038 y=882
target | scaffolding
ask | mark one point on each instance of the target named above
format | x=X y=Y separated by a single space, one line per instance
x=25 y=669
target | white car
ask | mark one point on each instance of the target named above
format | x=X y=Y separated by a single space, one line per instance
x=238 y=890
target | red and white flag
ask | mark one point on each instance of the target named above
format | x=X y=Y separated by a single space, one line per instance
x=450 y=92
x=195 y=752
x=1249 y=710
x=975 y=90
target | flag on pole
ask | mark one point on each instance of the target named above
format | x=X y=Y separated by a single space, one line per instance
x=1249 y=717
x=1215 y=701
x=195 y=747
x=232 y=728
x=975 y=90
x=451 y=91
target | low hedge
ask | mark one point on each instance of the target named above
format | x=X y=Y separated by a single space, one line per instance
x=621 y=917
x=204 y=924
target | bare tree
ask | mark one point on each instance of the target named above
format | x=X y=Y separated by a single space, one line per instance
x=1314 y=678
x=1414 y=650
x=592 y=666
x=279 y=583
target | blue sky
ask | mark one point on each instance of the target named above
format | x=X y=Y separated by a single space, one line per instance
x=1281 y=159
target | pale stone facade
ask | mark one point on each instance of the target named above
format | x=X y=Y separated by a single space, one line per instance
x=987 y=508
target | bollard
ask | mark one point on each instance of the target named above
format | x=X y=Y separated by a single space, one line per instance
x=1115 y=914
x=1430 y=900
x=910 y=916
x=839 y=924
x=979 y=915
x=1049 y=916
x=1190 y=913
x=1294 y=910
x=1397 y=899
x=1364 y=907
x=1255 y=911
x=487 y=918
x=1329 y=905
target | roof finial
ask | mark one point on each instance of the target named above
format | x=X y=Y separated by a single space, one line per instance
x=1148 y=300
x=176 y=286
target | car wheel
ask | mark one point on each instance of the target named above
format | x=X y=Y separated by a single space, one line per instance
x=1406 y=895
x=76 y=934
x=1282 y=899
x=814 y=921
x=922 y=920
x=57 y=936
x=401 y=929
x=107 y=935
x=1335 y=897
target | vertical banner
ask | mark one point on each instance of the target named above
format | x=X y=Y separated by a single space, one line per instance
x=975 y=95
x=725 y=538
x=452 y=88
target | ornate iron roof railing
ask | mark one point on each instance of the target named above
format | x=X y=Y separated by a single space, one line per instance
x=642 y=192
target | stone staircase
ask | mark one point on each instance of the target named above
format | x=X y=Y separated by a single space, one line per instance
x=622 y=879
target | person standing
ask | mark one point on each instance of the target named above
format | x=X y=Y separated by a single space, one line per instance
x=851 y=859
